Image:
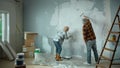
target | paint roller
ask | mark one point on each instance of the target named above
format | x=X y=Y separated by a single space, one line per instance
x=81 y=14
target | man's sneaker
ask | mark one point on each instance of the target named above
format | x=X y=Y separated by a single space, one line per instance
x=86 y=63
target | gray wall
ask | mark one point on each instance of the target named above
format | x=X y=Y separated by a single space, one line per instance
x=16 y=17
x=114 y=7
x=46 y=17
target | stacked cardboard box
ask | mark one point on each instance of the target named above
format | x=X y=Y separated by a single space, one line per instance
x=28 y=51
x=29 y=46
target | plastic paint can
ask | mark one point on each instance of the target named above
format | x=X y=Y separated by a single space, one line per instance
x=114 y=37
x=19 y=61
x=20 y=55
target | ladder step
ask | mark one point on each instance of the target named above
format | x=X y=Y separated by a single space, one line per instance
x=106 y=58
x=117 y=23
x=115 y=63
x=109 y=49
x=100 y=65
x=116 y=32
x=117 y=15
x=112 y=41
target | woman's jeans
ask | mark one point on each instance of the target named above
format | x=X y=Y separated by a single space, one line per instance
x=58 y=47
x=91 y=44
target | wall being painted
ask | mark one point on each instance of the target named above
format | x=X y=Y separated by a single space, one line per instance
x=46 y=17
x=16 y=15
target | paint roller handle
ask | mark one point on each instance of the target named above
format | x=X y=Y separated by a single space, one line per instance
x=68 y=36
x=86 y=17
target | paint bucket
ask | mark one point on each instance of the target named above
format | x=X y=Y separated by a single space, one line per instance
x=114 y=37
x=37 y=55
x=19 y=61
x=20 y=55
x=37 y=50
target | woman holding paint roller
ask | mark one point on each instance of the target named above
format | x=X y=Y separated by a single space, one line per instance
x=58 y=40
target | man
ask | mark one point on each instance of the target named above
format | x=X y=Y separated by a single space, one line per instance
x=90 y=40
x=58 y=40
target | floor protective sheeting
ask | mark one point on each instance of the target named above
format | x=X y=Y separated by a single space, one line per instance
x=49 y=60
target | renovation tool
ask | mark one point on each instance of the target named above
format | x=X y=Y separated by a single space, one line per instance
x=107 y=40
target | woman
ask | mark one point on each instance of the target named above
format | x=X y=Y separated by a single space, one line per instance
x=58 y=40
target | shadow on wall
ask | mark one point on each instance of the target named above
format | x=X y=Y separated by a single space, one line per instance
x=47 y=45
x=50 y=41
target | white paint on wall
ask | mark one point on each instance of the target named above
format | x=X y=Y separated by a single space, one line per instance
x=68 y=13
x=48 y=16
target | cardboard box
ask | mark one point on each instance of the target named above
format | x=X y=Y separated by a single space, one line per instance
x=28 y=49
x=30 y=40
x=29 y=54
x=29 y=35
x=29 y=43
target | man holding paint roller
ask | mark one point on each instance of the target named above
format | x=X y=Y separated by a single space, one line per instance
x=90 y=39
x=58 y=40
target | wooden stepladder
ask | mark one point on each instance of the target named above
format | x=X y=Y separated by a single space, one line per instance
x=115 y=41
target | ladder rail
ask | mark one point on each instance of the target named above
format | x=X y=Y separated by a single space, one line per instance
x=115 y=46
x=114 y=51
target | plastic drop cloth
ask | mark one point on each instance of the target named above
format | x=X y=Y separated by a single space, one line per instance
x=49 y=60
x=46 y=59
x=65 y=66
